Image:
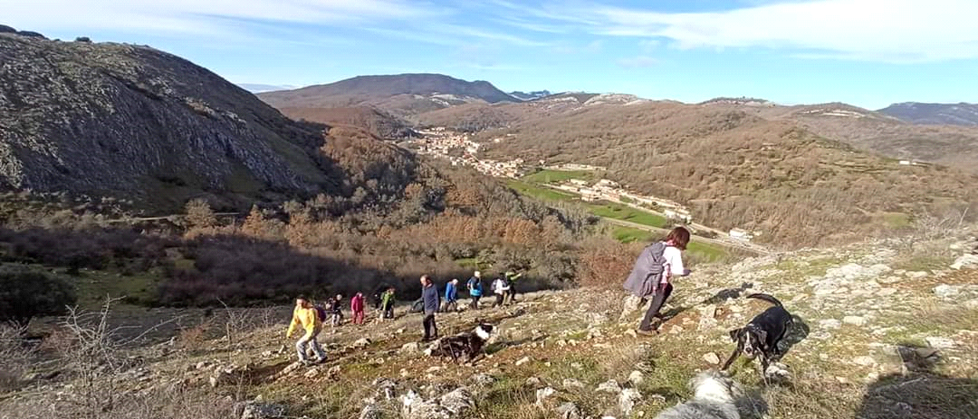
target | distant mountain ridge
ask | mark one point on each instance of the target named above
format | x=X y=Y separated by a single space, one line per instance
x=262 y=88
x=934 y=113
x=400 y=94
x=530 y=95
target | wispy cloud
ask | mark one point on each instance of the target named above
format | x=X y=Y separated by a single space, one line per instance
x=208 y=16
x=641 y=61
x=876 y=30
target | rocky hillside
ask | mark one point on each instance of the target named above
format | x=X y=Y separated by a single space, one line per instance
x=134 y=122
x=376 y=121
x=881 y=133
x=934 y=113
x=882 y=330
x=402 y=94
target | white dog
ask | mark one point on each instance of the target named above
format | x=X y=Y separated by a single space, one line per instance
x=714 y=397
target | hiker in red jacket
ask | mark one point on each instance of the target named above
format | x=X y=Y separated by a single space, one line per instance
x=356 y=306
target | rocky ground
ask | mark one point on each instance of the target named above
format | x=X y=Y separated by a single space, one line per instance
x=880 y=332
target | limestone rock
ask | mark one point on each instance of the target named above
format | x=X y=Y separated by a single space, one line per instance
x=569 y=411
x=967 y=261
x=636 y=378
x=610 y=386
x=256 y=410
x=945 y=291
x=627 y=400
x=711 y=358
x=571 y=384
x=545 y=394
x=940 y=342
x=854 y=320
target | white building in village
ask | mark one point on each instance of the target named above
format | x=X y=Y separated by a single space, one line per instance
x=742 y=235
x=678 y=214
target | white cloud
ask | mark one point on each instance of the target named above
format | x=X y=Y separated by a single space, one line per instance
x=642 y=61
x=876 y=30
x=201 y=16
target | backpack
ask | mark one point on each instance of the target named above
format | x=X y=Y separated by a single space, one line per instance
x=647 y=273
x=321 y=313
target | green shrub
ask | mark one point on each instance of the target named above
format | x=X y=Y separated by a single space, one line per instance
x=26 y=293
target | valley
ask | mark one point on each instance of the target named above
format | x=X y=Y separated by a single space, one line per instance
x=158 y=222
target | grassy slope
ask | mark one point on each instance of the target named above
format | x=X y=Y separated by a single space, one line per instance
x=574 y=335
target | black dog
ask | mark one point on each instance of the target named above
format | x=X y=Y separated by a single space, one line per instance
x=463 y=346
x=762 y=335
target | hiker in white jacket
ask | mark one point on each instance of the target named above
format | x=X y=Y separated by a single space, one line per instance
x=500 y=288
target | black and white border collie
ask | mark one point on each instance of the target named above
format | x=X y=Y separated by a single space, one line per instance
x=465 y=347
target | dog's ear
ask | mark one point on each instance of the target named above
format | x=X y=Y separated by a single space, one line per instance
x=762 y=335
x=735 y=333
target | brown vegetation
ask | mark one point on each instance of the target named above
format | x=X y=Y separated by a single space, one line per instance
x=737 y=170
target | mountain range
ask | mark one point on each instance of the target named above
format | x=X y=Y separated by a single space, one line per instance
x=403 y=95
x=934 y=113
x=130 y=121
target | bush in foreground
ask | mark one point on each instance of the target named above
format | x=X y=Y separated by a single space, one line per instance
x=26 y=293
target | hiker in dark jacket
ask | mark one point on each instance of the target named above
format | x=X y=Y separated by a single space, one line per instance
x=429 y=294
x=336 y=310
x=652 y=276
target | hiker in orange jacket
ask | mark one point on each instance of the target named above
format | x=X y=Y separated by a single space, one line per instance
x=305 y=315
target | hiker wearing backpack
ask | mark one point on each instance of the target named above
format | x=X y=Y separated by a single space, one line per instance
x=652 y=276
x=387 y=304
x=306 y=316
x=475 y=289
x=336 y=310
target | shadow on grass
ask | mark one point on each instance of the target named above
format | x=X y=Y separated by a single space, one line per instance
x=921 y=393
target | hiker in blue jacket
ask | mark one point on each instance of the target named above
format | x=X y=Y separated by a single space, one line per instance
x=451 y=295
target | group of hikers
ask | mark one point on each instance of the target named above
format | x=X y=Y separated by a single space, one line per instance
x=311 y=317
x=655 y=270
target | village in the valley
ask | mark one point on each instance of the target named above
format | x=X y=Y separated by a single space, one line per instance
x=460 y=150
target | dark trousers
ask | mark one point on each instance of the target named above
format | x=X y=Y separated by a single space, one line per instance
x=499 y=300
x=430 y=328
x=657 y=301
x=389 y=311
x=475 y=302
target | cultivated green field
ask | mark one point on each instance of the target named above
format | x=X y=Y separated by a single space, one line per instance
x=540 y=192
x=557 y=176
x=626 y=213
x=698 y=250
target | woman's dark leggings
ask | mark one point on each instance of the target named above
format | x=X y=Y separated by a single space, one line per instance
x=657 y=301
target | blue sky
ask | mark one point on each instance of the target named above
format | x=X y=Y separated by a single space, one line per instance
x=868 y=53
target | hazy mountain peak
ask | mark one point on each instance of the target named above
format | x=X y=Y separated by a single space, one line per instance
x=934 y=113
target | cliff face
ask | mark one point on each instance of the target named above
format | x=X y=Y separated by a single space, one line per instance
x=134 y=122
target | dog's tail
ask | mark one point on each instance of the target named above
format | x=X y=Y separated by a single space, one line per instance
x=766 y=297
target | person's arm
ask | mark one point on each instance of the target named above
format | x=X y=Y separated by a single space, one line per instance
x=292 y=326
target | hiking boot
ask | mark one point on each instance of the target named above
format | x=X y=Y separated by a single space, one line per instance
x=644 y=332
